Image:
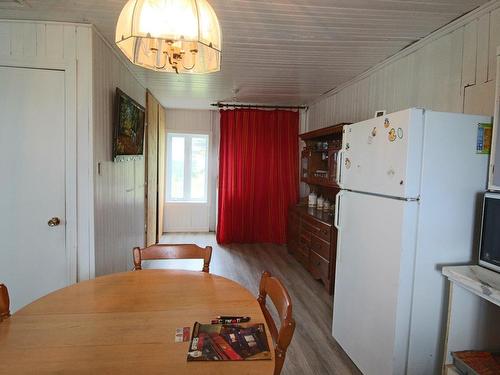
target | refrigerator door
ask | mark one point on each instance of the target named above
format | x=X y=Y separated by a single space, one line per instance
x=384 y=155
x=373 y=283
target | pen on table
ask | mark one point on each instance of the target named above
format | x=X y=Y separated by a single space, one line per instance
x=231 y=320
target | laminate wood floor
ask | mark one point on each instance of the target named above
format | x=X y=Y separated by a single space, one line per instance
x=313 y=350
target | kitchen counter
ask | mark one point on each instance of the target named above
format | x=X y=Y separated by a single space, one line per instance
x=324 y=216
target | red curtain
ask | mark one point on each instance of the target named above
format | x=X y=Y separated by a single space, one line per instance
x=258 y=175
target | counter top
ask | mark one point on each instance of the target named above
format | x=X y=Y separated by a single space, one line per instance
x=478 y=280
x=323 y=216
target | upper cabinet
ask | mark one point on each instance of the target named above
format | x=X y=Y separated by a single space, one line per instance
x=320 y=156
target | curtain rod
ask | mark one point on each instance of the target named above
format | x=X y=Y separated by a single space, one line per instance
x=228 y=105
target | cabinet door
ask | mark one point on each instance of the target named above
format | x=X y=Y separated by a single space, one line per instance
x=333 y=165
x=304 y=164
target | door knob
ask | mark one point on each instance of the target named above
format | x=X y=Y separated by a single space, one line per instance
x=54 y=222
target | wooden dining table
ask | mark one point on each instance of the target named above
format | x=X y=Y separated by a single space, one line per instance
x=125 y=323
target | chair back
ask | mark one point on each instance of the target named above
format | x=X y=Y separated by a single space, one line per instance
x=4 y=303
x=164 y=251
x=272 y=287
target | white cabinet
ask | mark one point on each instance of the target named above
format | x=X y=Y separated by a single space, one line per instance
x=473 y=311
x=494 y=180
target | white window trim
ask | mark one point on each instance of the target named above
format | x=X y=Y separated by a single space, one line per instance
x=187 y=166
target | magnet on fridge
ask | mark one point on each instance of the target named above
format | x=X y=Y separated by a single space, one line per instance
x=347 y=163
x=374 y=132
x=392 y=135
x=400 y=133
x=387 y=123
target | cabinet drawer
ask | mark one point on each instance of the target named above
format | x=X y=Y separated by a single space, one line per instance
x=302 y=256
x=319 y=267
x=305 y=238
x=317 y=228
x=320 y=247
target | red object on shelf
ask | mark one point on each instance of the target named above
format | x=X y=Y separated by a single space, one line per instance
x=482 y=363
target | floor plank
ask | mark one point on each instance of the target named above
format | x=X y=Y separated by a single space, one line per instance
x=313 y=350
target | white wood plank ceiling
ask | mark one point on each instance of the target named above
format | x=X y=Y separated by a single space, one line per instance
x=274 y=51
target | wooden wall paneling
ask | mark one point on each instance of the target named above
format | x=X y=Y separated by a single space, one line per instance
x=162 y=133
x=119 y=187
x=494 y=43
x=5 y=39
x=451 y=76
x=431 y=76
x=403 y=89
x=17 y=40
x=151 y=169
x=40 y=39
x=480 y=99
x=29 y=39
x=372 y=93
x=54 y=32
x=86 y=260
x=483 y=42
x=470 y=54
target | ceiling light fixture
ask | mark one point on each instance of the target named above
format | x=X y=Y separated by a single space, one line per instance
x=181 y=36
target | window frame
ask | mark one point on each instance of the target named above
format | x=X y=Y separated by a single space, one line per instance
x=188 y=136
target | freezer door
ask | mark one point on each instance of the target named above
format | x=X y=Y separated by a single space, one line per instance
x=373 y=283
x=384 y=155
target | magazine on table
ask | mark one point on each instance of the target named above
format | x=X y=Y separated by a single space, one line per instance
x=228 y=342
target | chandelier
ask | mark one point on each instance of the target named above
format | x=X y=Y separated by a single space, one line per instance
x=181 y=36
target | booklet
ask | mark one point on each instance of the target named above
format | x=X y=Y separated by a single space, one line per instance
x=228 y=342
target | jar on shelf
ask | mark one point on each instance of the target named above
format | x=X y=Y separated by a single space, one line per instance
x=326 y=205
x=313 y=199
x=320 y=203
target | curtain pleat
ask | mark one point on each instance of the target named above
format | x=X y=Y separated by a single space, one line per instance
x=258 y=175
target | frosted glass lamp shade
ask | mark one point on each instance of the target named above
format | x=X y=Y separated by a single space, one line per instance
x=181 y=36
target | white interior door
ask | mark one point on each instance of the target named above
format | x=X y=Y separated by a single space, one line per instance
x=372 y=300
x=33 y=257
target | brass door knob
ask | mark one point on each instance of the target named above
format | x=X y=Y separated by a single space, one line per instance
x=54 y=222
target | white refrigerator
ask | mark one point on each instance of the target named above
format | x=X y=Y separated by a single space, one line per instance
x=411 y=187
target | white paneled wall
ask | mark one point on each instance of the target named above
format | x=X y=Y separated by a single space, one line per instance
x=119 y=186
x=196 y=217
x=63 y=46
x=451 y=70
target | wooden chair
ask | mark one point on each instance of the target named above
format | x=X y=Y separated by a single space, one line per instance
x=272 y=287
x=163 y=251
x=4 y=303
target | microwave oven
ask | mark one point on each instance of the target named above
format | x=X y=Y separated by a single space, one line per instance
x=489 y=244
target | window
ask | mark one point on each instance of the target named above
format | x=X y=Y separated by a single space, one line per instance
x=187 y=167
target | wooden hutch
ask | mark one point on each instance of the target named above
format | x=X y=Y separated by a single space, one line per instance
x=312 y=238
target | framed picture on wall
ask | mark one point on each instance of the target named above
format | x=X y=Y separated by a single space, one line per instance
x=128 y=129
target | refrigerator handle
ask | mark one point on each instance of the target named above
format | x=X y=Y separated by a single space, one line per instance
x=337 y=208
x=340 y=162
